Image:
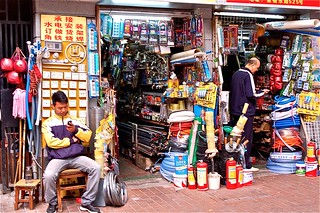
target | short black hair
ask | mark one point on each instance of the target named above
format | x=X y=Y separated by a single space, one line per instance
x=60 y=97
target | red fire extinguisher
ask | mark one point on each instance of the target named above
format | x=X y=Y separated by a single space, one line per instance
x=311 y=151
x=202 y=176
x=231 y=174
x=239 y=174
x=191 y=178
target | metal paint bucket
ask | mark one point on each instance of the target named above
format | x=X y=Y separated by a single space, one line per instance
x=180 y=164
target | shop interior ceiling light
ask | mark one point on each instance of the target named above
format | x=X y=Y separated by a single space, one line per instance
x=122 y=17
x=251 y=15
x=142 y=2
x=128 y=14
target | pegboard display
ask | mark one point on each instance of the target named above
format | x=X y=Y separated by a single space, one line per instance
x=73 y=84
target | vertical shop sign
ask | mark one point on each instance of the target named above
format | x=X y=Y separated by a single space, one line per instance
x=63 y=28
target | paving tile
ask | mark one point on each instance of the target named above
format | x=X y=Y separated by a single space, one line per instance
x=269 y=193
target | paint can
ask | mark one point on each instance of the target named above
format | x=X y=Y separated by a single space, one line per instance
x=300 y=168
x=214 y=180
x=311 y=168
x=180 y=164
x=180 y=181
x=182 y=105
x=247 y=177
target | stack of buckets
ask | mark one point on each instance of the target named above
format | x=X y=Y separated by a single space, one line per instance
x=181 y=171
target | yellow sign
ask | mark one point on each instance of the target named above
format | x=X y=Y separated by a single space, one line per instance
x=63 y=28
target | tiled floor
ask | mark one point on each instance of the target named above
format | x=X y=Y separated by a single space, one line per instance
x=269 y=193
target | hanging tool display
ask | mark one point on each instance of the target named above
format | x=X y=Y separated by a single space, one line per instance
x=205 y=95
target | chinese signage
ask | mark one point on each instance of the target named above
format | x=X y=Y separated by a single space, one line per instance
x=63 y=28
x=306 y=3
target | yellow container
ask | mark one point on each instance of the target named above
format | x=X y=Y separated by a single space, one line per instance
x=181 y=104
x=174 y=106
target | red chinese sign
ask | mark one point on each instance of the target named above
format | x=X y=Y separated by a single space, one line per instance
x=299 y=3
x=63 y=28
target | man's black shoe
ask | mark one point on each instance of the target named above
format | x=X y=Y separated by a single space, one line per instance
x=89 y=208
x=51 y=208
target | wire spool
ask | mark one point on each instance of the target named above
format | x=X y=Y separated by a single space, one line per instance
x=115 y=190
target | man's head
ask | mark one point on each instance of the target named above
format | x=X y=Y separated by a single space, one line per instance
x=60 y=103
x=253 y=64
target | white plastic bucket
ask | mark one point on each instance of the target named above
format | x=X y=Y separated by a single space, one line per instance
x=214 y=180
x=247 y=177
x=180 y=181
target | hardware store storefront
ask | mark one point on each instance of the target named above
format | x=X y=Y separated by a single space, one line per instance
x=155 y=73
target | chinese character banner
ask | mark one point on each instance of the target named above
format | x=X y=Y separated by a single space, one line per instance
x=63 y=28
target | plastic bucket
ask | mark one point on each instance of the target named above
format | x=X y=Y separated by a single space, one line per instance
x=247 y=177
x=180 y=164
x=300 y=168
x=214 y=180
x=311 y=169
x=180 y=181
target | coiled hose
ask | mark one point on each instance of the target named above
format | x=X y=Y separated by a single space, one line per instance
x=167 y=167
x=283 y=162
x=114 y=190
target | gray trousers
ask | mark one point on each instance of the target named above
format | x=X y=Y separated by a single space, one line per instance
x=83 y=163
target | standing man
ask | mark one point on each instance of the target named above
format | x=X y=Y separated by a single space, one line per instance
x=243 y=91
x=65 y=137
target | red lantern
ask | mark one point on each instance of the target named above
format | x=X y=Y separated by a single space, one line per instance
x=6 y=64
x=20 y=65
x=13 y=77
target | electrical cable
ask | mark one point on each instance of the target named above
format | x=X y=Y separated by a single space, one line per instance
x=288 y=137
x=114 y=190
x=180 y=128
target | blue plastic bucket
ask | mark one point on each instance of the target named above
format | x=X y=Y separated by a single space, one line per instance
x=180 y=164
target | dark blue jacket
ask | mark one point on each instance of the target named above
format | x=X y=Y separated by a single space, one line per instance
x=242 y=92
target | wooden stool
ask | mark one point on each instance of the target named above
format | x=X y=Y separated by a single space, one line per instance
x=67 y=174
x=32 y=187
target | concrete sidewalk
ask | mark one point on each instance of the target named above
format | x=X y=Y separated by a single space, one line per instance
x=269 y=193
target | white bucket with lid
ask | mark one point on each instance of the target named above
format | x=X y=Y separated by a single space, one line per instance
x=214 y=180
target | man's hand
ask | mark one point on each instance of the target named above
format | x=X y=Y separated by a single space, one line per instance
x=75 y=139
x=266 y=91
x=71 y=127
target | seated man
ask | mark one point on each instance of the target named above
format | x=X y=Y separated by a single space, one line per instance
x=65 y=138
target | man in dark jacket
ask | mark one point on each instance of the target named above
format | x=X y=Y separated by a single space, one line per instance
x=65 y=137
x=243 y=91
